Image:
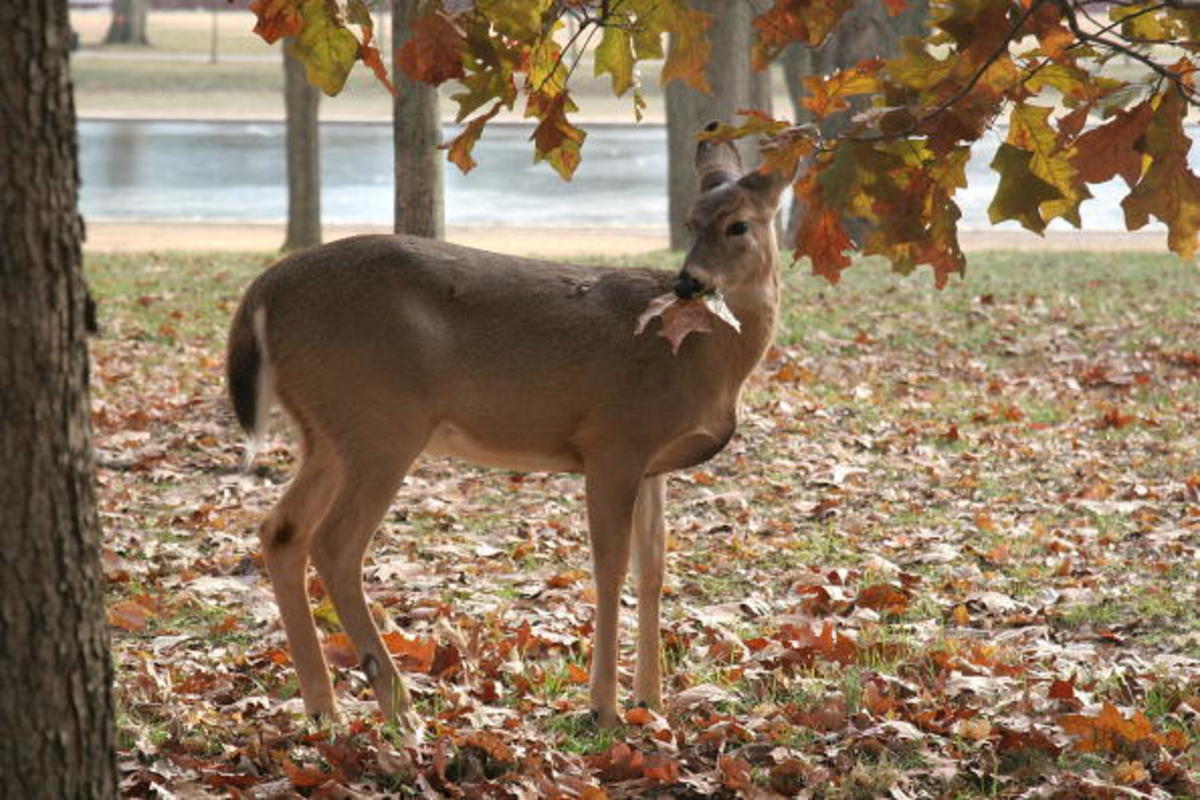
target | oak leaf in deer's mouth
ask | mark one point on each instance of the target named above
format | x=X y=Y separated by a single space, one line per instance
x=681 y=317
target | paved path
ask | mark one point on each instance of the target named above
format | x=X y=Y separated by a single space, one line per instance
x=550 y=242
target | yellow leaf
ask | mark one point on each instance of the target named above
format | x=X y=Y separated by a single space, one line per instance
x=614 y=55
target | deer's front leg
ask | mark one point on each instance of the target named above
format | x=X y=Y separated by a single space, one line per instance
x=649 y=533
x=612 y=491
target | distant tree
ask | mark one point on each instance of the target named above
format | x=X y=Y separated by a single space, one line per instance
x=128 y=24
x=416 y=125
x=56 y=706
x=301 y=104
x=732 y=85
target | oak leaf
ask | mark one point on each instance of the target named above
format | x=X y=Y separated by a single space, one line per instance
x=459 y=148
x=689 y=48
x=555 y=139
x=277 y=19
x=370 y=56
x=614 y=56
x=681 y=317
x=433 y=51
x=325 y=46
x=1112 y=148
x=1168 y=190
x=1020 y=193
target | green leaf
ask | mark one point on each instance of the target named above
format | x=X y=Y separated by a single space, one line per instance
x=614 y=55
x=517 y=19
x=1020 y=193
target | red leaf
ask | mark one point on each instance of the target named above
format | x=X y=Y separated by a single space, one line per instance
x=133 y=614
x=1111 y=149
x=370 y=56
x=433 y=52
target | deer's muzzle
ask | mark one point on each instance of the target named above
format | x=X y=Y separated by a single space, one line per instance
x=687 y=287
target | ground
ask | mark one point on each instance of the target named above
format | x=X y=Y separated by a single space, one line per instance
x=952 y=552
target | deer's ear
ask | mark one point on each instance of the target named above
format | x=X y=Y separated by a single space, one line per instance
x=768 y=185
x=716 y=162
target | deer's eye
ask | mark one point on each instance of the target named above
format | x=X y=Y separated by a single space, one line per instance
x=738 y=228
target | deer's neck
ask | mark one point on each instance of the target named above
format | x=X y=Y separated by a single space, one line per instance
x=757 y=309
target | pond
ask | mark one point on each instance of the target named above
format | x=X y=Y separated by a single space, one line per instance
x=234 y=171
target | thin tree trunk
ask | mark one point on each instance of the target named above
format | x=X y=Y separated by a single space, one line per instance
x=301 y=101
x=735 y=86
x=416 y=136
x=128 y=24
x=56 y=705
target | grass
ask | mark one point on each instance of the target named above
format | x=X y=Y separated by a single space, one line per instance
x=844 y=476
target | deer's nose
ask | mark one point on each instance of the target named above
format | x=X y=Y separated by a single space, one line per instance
x=687 y=287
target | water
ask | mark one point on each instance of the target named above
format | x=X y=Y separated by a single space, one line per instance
x=234 y=171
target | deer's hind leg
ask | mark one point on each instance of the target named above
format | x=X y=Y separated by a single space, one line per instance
x=286 y=536
x=374 y=470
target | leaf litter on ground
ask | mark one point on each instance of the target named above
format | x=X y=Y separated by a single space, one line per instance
x=952 y=552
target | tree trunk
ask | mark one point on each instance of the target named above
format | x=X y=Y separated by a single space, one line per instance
x=128 y=24
x=56 y=705
x=416 y=136
x=301 y=101
x=735 y=85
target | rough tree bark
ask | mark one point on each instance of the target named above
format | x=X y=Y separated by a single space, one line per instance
x=301 y=101
x=416 y=136
x=735 y=85
x=55 y=674
x=128 y=24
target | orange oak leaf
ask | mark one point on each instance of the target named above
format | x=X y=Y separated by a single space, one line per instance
x=415 y=654
x=1109 y=731
x=370 y=56
x=277 y=19
x=823 y=238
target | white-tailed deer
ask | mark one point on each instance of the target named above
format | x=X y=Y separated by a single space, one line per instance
x=381 y=348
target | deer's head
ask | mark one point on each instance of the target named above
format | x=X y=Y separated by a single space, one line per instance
x=732 y=225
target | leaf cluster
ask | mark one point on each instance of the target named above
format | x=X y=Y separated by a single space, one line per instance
x=1086 y=91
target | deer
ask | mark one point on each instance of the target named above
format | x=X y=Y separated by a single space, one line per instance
x=383 y=347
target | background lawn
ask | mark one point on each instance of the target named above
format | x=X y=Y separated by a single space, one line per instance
x=951 y=553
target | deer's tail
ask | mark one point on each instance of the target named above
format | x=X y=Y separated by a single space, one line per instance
x=247 y=372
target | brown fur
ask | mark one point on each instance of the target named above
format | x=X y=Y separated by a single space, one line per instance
x=384 y=347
